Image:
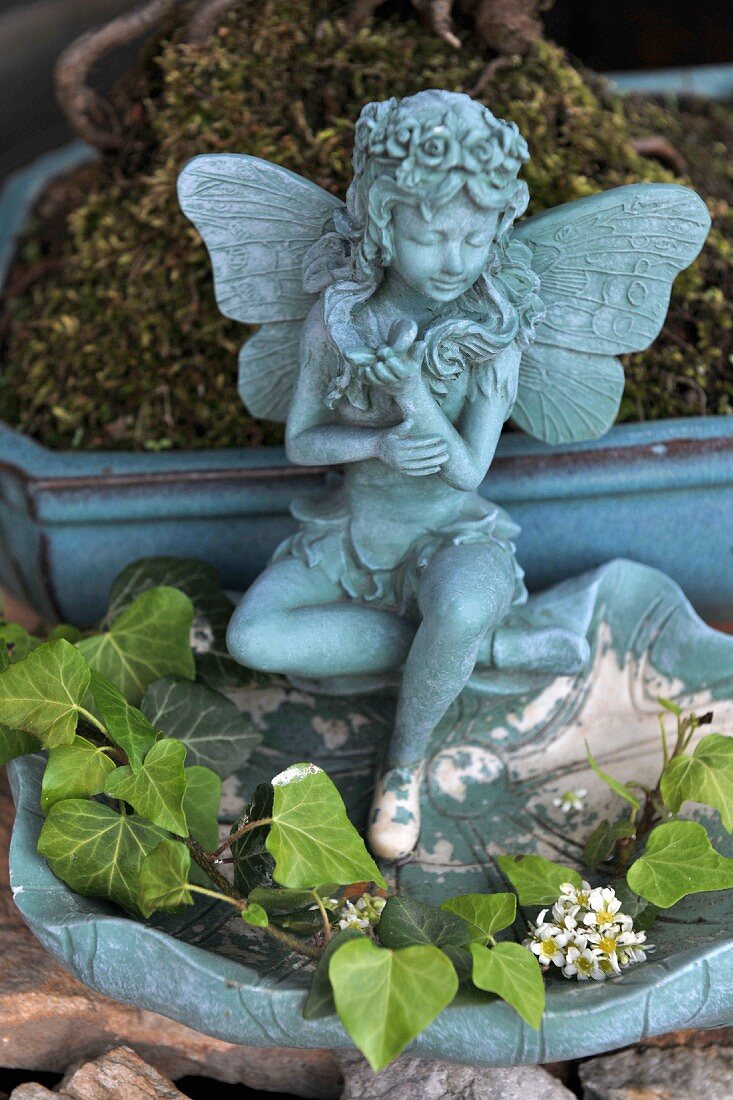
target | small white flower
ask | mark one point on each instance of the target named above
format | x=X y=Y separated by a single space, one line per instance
x=573 y=896
x=603 y=905
x=564 y=915
x=547 y=943
x=571 y=801
x=583 y=963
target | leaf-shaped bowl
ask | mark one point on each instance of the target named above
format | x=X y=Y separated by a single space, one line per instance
x=501 y=757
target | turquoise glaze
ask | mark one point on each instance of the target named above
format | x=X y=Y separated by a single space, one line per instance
x=491 y=758
x=399 y=331
x=231 y=506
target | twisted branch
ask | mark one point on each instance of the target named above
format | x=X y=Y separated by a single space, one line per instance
x=90 y=115
x=506 y=26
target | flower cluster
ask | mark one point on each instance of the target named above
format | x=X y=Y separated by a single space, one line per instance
x=588 y=936
x=363 y=914
x=432 y=133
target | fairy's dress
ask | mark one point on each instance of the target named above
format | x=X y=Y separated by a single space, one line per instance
x=367 y=532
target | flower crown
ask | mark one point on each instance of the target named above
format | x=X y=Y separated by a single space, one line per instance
x=420 y=138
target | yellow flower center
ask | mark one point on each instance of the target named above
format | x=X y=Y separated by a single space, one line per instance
x=585 y=966
x=607 y=944
x=605 y=916
x=550 y=948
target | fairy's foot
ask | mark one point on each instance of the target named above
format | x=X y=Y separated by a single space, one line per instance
x=395 y=817
x=544 y=649
x=345 y=685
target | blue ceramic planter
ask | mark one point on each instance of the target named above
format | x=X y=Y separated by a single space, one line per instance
x=66 y=514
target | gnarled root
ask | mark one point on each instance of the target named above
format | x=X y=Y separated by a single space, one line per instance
x=92 y=116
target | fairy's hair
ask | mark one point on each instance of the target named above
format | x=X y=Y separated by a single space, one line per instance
x=423 y=151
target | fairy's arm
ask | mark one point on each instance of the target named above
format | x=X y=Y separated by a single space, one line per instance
x=314 y=435
x=470 y=445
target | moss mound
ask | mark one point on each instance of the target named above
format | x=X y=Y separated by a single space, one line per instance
x=118 y=342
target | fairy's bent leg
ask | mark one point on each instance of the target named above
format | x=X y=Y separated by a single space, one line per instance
x=296 y=621
x=465 y=591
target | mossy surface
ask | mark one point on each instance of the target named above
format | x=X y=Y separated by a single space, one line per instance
x=118 y=341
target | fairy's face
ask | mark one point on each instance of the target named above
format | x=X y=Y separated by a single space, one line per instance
x=442 y=258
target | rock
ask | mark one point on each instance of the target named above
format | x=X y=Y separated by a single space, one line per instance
x=415 y=1079
x=32 y=1091
x=121 y=1073
x=49 y=1021
x=672 y=1073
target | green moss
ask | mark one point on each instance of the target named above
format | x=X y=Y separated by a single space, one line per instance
x=120 y=343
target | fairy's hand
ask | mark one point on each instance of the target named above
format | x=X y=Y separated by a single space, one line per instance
x=416 y=456
x=393 y=364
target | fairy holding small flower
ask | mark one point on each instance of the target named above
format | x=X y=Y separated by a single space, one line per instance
x=399 y=333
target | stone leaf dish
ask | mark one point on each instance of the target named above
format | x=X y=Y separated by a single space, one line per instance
x=499 y=760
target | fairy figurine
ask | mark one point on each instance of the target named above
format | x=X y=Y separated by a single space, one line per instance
x=399 y=331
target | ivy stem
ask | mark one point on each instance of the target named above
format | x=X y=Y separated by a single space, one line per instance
x=94 y=721
x=324 y=916
x=206 y=863
x=651 y=810
x=240 y=905
x=232 y=897
x=233 y=837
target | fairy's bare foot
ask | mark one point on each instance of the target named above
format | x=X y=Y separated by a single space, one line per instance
x=395 y=817
x=553 y=650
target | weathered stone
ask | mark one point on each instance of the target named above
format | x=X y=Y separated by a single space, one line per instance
x=121 y=1072
x=415 y=1079
x=30 y=1090
x=673 y=1073
x=49 y=1021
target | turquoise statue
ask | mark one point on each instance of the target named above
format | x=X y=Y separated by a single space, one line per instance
x=399 y=331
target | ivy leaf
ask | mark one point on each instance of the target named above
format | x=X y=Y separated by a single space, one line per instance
x=126 y=726
x=253 y=864
x=215 y=733
x=256 y=915
x=678 y=860
x=155 y=791
x=212 y=611
x=44 y=693
x=617 y=787
x=386 y=998
x=601 y=842
x=405 y=921
x=311 y=839
x=163 y=880
x=147 y=640
x=201 y=805
x=279 y=900
x=15 y=743
x=320 y=1002
x=706 y=776
x=486 y=914
x=66 y=631
x=96 y=851
x=537 y=880
x=18 y=641
x=513 y=973
x=78 y=770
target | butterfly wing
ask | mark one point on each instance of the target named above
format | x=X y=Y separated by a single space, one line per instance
x=258 y=221
x=606 y=265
